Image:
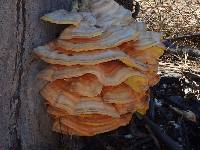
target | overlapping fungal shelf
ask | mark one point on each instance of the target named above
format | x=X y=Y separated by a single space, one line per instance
x=101 y=67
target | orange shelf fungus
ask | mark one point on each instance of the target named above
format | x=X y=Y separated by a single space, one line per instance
x=101 y=68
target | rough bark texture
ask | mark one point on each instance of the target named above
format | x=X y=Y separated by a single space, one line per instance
x=24 y=121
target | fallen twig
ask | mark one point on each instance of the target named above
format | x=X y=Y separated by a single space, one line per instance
x=189 y=115
x=170 y=143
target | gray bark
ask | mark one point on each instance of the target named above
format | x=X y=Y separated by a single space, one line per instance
x=24 y=122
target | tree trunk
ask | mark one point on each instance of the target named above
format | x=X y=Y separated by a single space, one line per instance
x=25 y=123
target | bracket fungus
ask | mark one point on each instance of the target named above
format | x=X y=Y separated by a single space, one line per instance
x=101 y=68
